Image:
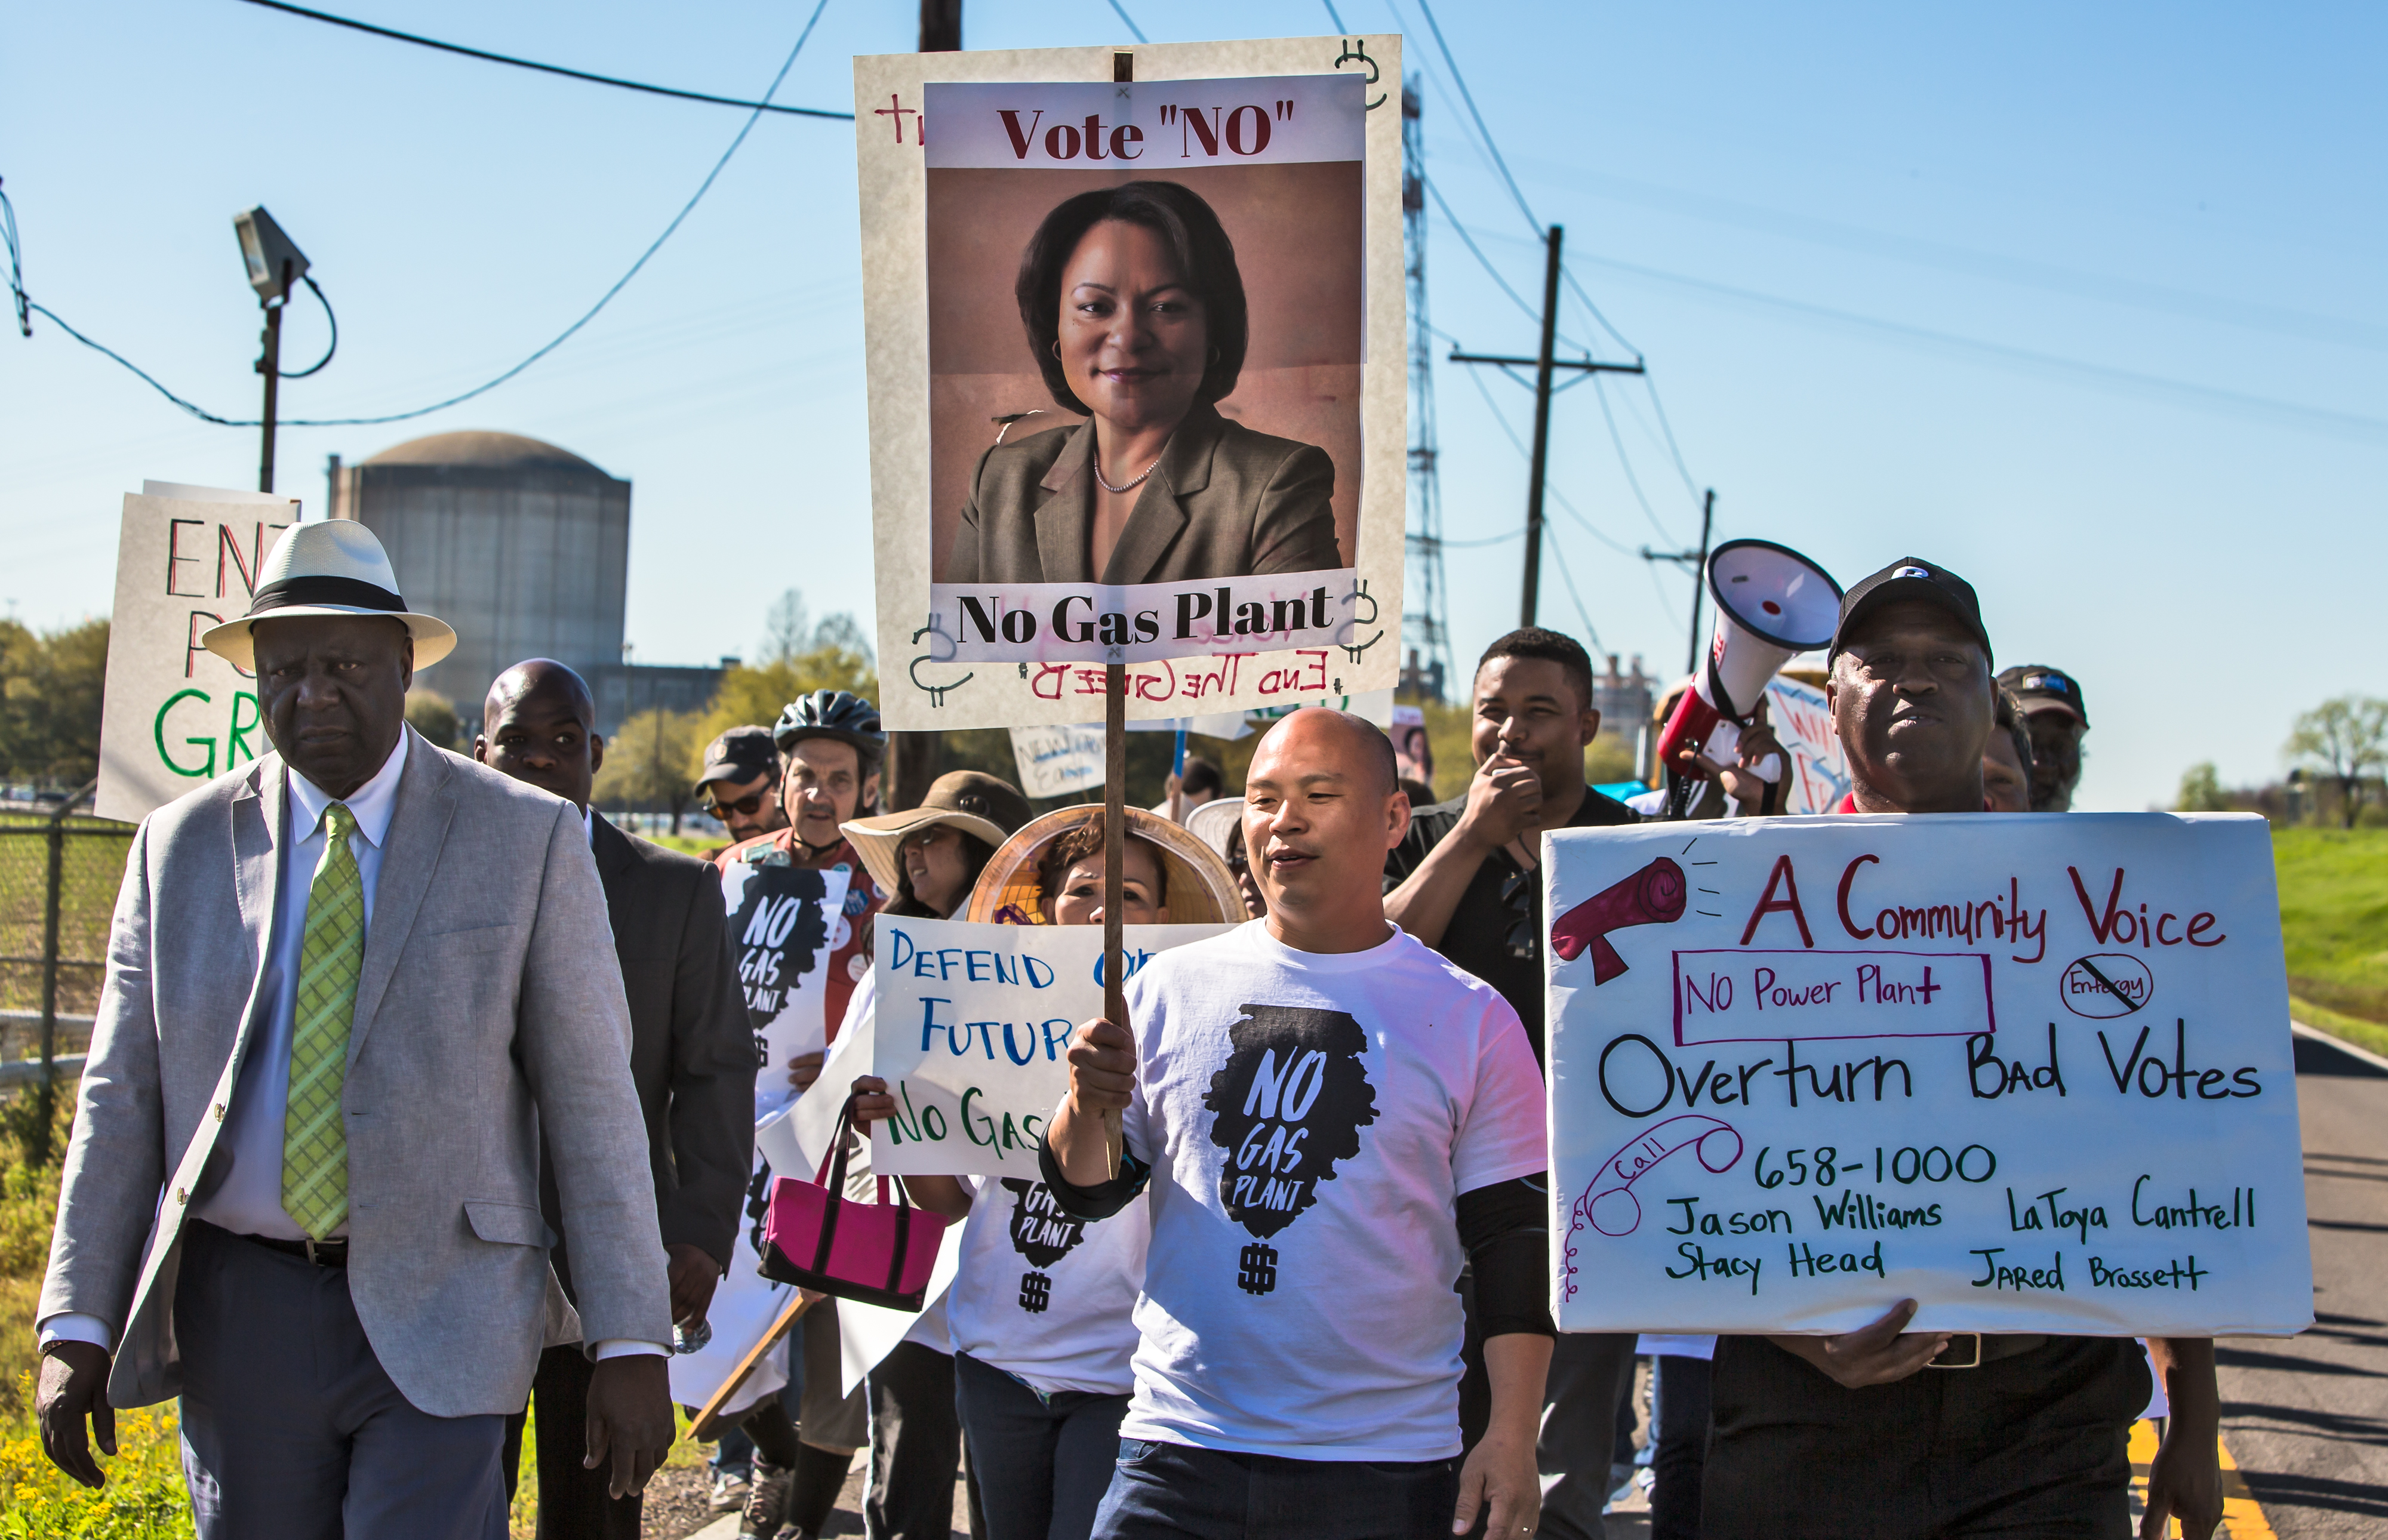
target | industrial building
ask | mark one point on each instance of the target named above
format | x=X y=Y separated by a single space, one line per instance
x=524 y=548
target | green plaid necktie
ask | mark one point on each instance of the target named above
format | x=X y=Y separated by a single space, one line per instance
x=314 y=1150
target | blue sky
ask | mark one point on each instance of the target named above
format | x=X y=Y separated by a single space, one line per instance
x=2081 y=302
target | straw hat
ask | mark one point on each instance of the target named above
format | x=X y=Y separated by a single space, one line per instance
x=1202 y=890
x=330 y=567
x=1214 y=821
x=977 y=803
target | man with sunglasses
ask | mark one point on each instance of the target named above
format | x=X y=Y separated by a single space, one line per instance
x=741 y=785
x=1467 y=881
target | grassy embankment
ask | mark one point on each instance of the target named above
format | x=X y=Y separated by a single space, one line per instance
x=2335 y=921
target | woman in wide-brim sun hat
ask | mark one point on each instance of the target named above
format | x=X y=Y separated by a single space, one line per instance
x=981 y=808
x=1199 y=889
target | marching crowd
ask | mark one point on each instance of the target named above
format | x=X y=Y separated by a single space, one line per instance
x=357 y=1173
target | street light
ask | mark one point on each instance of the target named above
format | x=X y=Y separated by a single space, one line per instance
x=276 y=265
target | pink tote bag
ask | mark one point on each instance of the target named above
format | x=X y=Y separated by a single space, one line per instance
x=875 y=1253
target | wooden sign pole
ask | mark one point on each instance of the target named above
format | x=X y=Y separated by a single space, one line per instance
x=1114 y=855
x=702 y=1430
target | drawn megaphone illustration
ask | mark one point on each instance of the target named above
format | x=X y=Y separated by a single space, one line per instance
x=1772 y=604
x=1655 y=895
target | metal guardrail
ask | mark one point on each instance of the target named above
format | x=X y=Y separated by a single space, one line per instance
x=50 y=826
x=34 y=1072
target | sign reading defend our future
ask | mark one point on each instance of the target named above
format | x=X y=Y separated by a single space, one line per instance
x=2033 y=1071
x=972 y=1029
x=174 y=714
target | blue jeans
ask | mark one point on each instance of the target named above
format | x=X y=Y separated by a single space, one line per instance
x=1177 y=1492
x=1042 y=1463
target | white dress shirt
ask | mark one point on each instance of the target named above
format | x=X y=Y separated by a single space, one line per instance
x=248 y=1201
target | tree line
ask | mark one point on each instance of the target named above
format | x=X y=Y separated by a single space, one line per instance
x=2338 y=756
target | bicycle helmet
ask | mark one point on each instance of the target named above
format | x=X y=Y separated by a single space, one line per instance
x=832 y=714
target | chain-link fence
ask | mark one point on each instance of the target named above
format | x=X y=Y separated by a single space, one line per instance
x=58 y=877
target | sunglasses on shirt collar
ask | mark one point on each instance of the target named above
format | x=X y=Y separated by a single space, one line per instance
x=1525 y=938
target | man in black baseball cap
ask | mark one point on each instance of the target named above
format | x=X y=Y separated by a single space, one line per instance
x=2055 y=712
x=1909 y=579
x=741 y=783
x=1897 y=1434
x=1911 y=689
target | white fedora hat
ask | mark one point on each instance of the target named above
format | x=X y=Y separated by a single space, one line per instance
x=330 y=567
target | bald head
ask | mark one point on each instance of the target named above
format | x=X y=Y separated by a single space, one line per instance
x=1322 y=806
x=1356 y=744
x=541 y=679
x=539 y=726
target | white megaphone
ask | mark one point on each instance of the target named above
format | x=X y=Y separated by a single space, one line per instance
x=1772 y=604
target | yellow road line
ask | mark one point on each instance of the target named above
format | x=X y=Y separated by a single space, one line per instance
x=2242 y=1517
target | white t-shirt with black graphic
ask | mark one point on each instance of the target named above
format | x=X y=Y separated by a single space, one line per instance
x=1310 y=1119
x=1045 y=1297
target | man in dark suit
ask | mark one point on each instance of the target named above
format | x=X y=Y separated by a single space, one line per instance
x=691 y=1058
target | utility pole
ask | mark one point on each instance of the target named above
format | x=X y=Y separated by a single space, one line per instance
x=1696 y=564
x=941 y=26
x=915 y=760
x=270 y=365
x=1539 y=469
x=1543 y=363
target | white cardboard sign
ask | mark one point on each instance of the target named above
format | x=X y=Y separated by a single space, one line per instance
x=1057 y=760
x=2033 y=1071
x=174 y=715
x=993 y=612
x=1820 y=774
x=973 y=1024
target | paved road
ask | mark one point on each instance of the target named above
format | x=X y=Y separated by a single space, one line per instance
x=2307 y=1419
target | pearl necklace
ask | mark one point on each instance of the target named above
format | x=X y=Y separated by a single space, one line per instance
x=1134 y=482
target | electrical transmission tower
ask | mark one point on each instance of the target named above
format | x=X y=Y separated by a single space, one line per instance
x=1425 y=630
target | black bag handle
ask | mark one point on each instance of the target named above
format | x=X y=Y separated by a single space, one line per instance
x=831 y=1176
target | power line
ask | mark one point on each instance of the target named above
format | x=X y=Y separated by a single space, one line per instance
x=1581 y=613
x=1625 y=461
x=1588 y=305
x=591 y=314
x=1502 y=421
x=1669 y=429
x=1501 y=165
x=2212 y=398
x=1132 y=27
x=1486 y=263
x=420 y=42
x=1464 y=96
x=1331 y=15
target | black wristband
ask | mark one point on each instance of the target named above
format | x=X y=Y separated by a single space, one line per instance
x=1100 y=1201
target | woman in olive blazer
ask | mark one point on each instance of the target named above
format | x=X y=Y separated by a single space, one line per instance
x=1134 y=311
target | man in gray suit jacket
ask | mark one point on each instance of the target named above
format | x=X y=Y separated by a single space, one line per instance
x=348 y=988
x=692 y=1057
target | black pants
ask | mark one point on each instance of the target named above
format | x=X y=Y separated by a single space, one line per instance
x=1177 y=1492
x=916 y=1445
x=573 y=1502
x=2033 y=1445
x=1681 y=1446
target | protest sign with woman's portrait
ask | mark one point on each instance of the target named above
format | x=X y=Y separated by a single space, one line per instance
x=1137 y=376
x=1135 y=315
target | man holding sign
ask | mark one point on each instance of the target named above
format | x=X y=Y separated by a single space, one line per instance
x=1330 y=1118
x=1888 y=1432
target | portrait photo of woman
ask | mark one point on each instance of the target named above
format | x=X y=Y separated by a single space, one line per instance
x=1136 y=318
